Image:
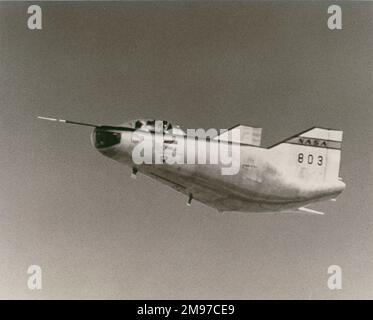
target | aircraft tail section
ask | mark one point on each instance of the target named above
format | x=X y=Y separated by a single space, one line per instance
x=242 y=134
x=314 y=154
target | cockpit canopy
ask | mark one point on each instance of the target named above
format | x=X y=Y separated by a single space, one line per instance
x=154 y=126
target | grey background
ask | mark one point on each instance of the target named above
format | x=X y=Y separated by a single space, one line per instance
x=95 y=232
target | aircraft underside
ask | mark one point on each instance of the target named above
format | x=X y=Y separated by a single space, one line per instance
x=223 y=199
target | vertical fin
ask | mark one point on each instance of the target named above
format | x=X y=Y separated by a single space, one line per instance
x=314 y=154
x=248 y=135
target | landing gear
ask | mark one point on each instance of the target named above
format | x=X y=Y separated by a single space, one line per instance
x=134 y=173
x=189 y=202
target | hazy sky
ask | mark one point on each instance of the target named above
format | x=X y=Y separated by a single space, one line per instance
x=95 y=232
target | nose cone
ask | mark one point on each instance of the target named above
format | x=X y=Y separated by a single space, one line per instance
x=104 y=138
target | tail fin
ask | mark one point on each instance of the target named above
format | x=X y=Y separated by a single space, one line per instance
x=248 y=135
x=314 y=154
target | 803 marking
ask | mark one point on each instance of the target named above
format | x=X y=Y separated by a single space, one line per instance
x=310 y=159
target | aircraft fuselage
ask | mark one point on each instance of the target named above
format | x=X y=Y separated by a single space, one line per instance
x=261 y=185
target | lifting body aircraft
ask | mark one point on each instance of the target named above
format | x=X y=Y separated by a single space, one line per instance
x=285 y=177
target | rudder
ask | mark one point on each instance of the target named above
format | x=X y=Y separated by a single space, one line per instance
x=314 y=154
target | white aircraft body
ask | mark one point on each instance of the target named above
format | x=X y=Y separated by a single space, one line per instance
x=285 y=177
